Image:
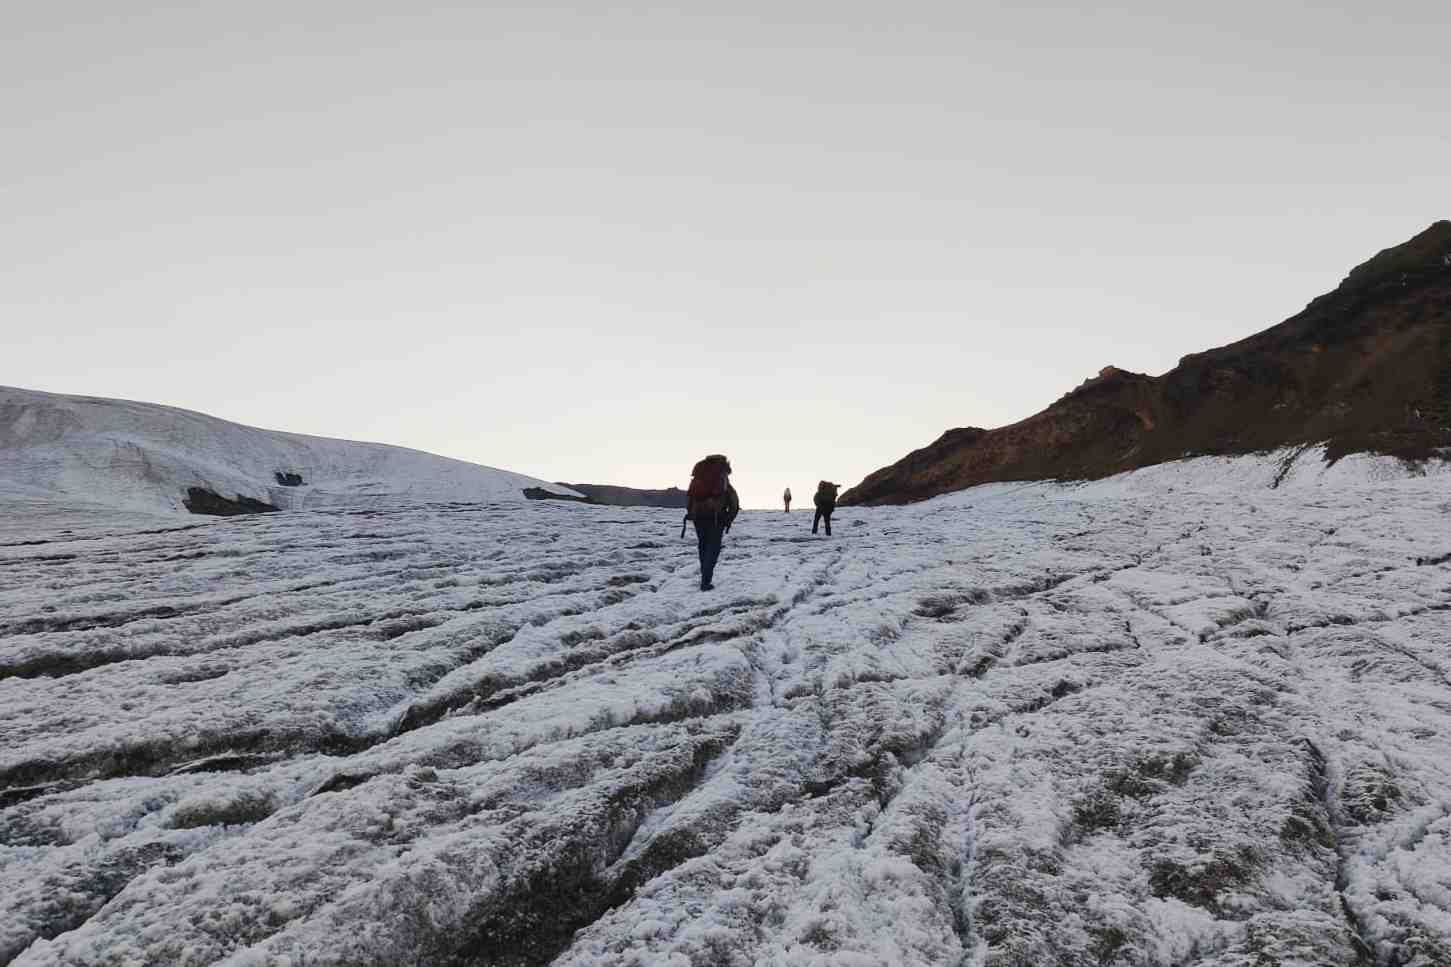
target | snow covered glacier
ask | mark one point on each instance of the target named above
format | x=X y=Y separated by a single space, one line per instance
x=1178 y=718
x=143 y=456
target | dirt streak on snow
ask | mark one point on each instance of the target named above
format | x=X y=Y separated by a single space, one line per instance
x=1145 y=721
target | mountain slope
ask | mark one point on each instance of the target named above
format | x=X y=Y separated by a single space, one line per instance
x=1366 y=368
x=143 y=456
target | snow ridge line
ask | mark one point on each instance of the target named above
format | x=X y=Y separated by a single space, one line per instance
x=491 y=691
x=117 y=619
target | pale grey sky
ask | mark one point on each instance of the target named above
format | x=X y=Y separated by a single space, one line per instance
x=594 y=242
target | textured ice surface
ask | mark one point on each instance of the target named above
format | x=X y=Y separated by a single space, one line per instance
x=1146 y=721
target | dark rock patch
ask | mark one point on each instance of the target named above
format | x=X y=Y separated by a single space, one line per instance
x=630 y=496
x=539 y=493
x=199 y=500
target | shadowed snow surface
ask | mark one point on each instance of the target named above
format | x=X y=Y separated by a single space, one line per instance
x=1136 y=722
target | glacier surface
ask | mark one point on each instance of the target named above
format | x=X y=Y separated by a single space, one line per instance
x=1177 y=718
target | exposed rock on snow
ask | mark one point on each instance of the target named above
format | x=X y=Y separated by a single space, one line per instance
x=142 y=456
x=539 y=493
x=1153 y=720
x=199 y=500
x=631 y=496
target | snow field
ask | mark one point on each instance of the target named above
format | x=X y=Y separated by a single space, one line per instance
x=143 y=458
x=1109 y=723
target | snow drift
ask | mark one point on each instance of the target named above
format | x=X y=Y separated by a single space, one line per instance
x=147 y=457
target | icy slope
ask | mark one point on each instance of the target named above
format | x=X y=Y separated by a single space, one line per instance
x=1136 y=722
x=142 y=456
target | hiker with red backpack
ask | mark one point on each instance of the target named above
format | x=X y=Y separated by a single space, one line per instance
x=712 y=504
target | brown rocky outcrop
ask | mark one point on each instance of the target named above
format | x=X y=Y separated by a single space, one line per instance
x=1366 y=368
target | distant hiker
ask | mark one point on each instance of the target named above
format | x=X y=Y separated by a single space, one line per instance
x=712 y=503
x=787 y=497
x=825 y=504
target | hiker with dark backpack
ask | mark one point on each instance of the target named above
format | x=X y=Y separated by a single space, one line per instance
x=825 y=504
x=712 y=504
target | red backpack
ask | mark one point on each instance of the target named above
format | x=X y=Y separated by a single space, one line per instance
x=708 y=483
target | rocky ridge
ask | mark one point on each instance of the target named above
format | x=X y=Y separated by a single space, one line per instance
x=1363 y=369
x=617 y=496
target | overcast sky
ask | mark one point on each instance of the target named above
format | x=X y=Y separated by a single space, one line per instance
x=593 y=242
